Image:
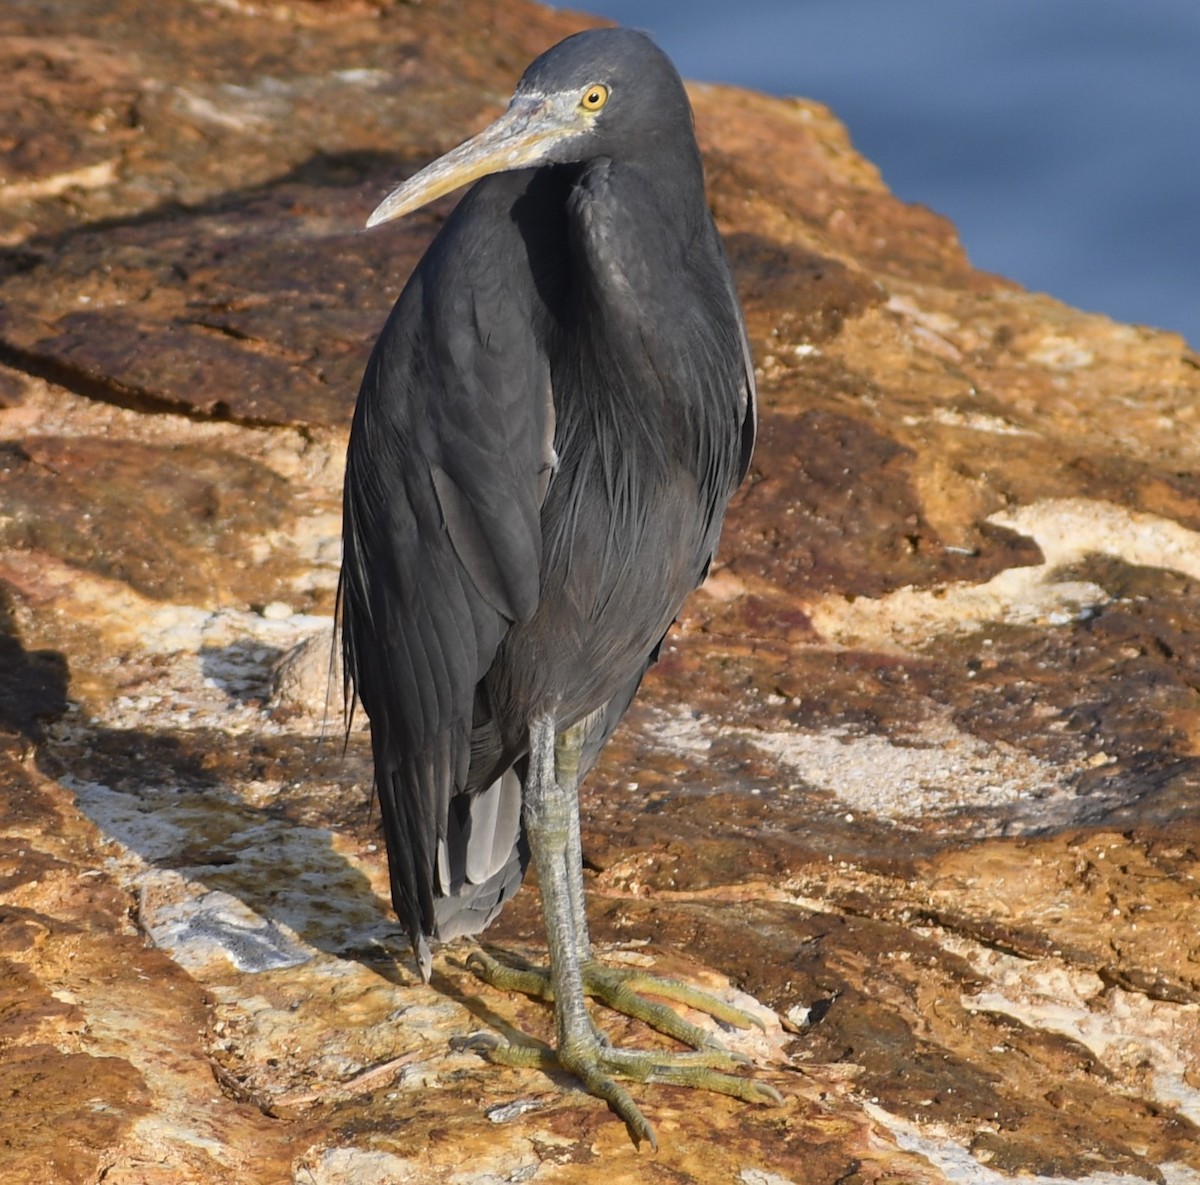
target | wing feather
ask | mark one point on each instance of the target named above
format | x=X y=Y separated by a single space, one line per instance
x=445 y=475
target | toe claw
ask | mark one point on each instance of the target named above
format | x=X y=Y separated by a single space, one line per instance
x=642 y=1131
x=475 y=1043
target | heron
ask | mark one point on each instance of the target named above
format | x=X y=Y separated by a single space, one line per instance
x=548 y=432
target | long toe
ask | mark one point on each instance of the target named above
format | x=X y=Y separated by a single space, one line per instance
x=699 y=1070
x=507 y=977
x=594 y=1065
x=625 y=992
x=681 y=993
x=597 y=1068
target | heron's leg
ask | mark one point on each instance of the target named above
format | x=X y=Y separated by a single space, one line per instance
x=548 y=823
x=618 y=988
x=568 y=749
x=581 y=1048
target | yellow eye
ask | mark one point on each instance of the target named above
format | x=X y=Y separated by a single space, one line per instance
x=594 y=97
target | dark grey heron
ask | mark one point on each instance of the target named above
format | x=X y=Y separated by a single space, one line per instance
x=548 y=432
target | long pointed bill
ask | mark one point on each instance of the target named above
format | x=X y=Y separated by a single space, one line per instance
x=519 y=139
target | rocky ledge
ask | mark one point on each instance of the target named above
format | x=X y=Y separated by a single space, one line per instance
x=917 y=775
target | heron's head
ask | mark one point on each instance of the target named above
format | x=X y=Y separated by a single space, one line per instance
x=604 y=92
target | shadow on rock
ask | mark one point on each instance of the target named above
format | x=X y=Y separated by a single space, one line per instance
x=33 y=683
x=241 y=847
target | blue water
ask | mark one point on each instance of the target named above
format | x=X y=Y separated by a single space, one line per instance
x=1061 y=136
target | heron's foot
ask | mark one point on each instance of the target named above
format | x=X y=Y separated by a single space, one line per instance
x=621 y=989
x=597 y=1064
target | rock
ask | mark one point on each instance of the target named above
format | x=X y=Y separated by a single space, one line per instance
x=916 y=773
x=308 y=677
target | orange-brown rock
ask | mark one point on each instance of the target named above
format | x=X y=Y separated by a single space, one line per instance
x=917 y=772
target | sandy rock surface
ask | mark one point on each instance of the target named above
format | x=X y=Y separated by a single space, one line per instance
x=916 y=777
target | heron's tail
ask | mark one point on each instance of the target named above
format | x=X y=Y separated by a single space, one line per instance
x=482 y=858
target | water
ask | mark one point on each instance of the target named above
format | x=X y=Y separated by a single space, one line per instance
x=1061 y=136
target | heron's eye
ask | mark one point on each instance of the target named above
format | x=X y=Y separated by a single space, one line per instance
x=594 y=97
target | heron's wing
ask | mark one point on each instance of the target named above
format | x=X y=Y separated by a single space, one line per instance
x=749 y=423
x=446 y=469
x=750 y=411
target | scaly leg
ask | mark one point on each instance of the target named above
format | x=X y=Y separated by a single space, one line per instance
x=567 y=749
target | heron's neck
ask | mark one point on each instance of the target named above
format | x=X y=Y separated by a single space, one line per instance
x=632 y=232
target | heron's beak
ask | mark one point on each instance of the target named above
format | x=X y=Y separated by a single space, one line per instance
x=519 y=139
